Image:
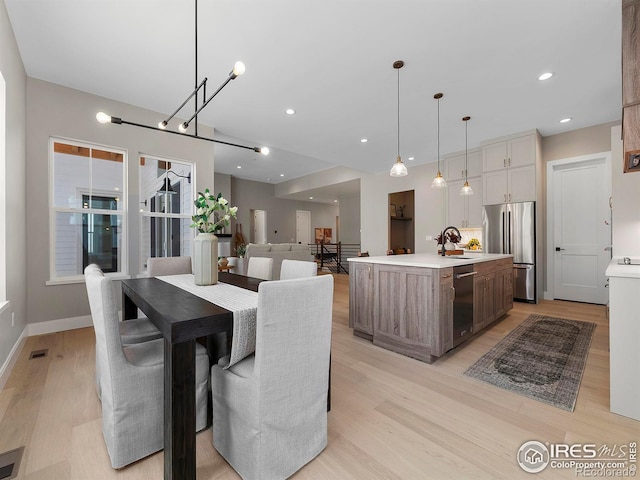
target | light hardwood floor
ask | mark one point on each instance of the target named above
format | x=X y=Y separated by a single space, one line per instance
x=391 y=417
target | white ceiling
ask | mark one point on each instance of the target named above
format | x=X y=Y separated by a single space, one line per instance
x=332 y=62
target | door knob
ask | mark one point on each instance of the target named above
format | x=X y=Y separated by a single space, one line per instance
x=558 y=249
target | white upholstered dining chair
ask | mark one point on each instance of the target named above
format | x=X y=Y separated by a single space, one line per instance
x=132 y=331
x=270 y=409
x=260 y=267
x=157 y=266
x=297 y=269
x=132 y=381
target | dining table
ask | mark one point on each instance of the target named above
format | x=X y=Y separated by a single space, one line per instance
x=181 y=317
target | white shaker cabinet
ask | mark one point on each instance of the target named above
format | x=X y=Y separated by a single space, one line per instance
x=512 y=153
x=509 y=170
x=456 y=166
x=624 y=333
x=509 y=185
x=465 y=211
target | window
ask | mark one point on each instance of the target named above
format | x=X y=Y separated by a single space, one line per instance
x=3 y=193
x=87 y=209
x=166 y=206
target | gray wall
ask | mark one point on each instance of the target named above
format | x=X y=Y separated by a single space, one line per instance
x=53 y=110
x=281 y=213
x=349 y=206
x=14 y=186
x=430 y=208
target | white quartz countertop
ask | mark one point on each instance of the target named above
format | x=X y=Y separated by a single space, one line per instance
x=627 y=271
x=431 y=260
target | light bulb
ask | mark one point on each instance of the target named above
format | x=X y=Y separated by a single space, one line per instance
x=264 y=150
x=466 y=189
x=399 y=169
x=162 y=125
x=183 y=127
x=439 y=181
x=545 y=76
x=103 y=117
x=238 y=69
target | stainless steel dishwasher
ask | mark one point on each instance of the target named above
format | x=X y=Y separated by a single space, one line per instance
x=462 y=303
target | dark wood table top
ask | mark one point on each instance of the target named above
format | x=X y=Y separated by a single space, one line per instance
x=178 y=314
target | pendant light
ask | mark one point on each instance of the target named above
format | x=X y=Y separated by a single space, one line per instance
x=466 y=189
x=399 y=169
x=439 y=181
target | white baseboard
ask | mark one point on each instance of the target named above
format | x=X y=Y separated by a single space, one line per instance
x=7 y=367
x=60 y=325
x=41 y=328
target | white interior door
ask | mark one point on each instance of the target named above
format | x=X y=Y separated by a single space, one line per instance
x=581 y=230
x=260 y=226
x=303 y=226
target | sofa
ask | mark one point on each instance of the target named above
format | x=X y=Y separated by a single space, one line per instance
x=277 y=251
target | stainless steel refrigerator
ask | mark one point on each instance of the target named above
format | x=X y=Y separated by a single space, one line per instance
x=511 y=228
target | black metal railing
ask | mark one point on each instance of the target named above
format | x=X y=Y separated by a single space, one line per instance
x=333 y=256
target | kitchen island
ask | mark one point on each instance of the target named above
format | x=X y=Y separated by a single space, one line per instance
x=405 y=303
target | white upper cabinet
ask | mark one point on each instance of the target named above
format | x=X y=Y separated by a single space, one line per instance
x=509 y=170
x=456 y=167
x=516 y=152
x=464 y=211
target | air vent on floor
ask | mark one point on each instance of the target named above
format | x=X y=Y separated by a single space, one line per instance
x=10 y=463
x=37 y=354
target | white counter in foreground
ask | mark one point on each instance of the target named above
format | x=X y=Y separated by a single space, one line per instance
x=624 y=333
x=430 y=260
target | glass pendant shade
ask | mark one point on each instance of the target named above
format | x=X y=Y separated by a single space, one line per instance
x=466 y=189
x=399 y=169
x=439 y=181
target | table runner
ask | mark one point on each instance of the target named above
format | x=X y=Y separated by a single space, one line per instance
x=242 y=302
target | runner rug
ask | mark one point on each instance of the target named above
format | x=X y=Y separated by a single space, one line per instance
x=543 y=359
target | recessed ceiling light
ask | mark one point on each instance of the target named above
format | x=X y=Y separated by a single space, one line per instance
x=310 y=198
x=238 y=166
x=335 y=201
x=290 y=111
x=411 y=158
x=117 y=189
x=364 y=140
x=268 y=179
x=545 y=76
x=565 y=120
x=282 y=174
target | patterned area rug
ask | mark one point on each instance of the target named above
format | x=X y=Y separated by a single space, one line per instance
x=543 y=359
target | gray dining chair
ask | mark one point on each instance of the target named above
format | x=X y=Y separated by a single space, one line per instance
x=260 y=267
x=132 y=331
x=270 y=409
x=157 y=266
x=297 y=269
x=132 y=381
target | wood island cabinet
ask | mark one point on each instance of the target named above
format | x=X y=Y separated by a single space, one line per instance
x=413 y=310
x=410 y=309
x=361 y=299
x=492 y=293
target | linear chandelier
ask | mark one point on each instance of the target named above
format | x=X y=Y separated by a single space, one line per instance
x=238 y=69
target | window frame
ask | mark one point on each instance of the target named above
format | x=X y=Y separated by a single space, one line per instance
x=144 y=213
x=122 y=212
